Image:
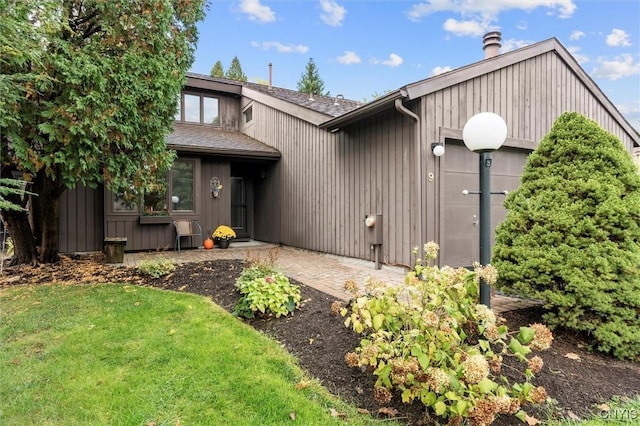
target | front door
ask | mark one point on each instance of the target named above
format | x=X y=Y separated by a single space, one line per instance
x=239 y=207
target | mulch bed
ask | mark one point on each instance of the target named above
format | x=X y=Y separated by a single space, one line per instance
x=578 y=380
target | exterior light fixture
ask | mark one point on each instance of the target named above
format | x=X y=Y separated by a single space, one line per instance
x=483 y=133
x=438 y=149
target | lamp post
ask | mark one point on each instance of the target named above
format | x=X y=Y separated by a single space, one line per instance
x=483 y=133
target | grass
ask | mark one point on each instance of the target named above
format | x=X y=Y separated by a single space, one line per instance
x=126 y=355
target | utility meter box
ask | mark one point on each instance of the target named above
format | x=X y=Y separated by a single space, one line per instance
x=373 y=222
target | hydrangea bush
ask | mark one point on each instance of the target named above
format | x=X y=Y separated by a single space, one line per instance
x=265 y=291
x=429 y=340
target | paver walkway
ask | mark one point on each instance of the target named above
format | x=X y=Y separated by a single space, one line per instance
x=325 y=272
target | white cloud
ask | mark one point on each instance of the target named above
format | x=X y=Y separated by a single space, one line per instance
x=619 y=67
x=464 y=28
x=522 y=26
x=393 y=61
x=575 y=52
x=349 y=57
x=512 y=44
x=440 y=70
x=257 y=11
x=618 y=38
x=577 y=35
x=282 y=48
x=489 y=10
x=333 y=13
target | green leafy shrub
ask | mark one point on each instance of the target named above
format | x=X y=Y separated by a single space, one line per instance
x=266 y=291
x=157 y=267
x=571 y=236
x=431 y=341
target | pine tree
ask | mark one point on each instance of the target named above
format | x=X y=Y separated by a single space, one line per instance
x=235 y=70
x=310 y=81
x=571 y=237
x=217 y=70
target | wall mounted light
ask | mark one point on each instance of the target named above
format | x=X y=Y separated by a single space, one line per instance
x=438 y=149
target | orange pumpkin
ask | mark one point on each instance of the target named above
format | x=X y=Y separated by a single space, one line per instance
x=208 y=243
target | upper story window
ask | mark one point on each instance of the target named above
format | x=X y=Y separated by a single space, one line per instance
x=248 y=115
x=198 y=109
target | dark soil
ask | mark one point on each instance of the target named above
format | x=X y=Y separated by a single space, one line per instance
x=578 y=380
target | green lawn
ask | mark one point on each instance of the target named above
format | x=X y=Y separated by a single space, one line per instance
x=125 y=355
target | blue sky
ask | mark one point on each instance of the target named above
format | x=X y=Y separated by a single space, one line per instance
x=363 y=48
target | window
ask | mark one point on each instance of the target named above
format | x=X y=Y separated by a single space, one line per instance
x=175 y=192
x=122 y=205
x=210 y=109
x=198 y=109
x=155 y=199
x=248 y=115
x=192 y=108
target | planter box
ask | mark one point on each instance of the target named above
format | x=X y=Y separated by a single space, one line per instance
x=155 y=220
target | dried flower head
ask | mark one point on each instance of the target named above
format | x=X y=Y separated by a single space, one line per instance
x=543 y=337
x=336 y=307
x=491 y=332
x=430 y=319
x=438 y=379
x=431 y=250
x=535 y=364
x=374 y=286
x=538 y=395
x=503 y=403
x=496 y=364
x=488 y=273
x=352 y=287
x=476 y=368
x=483 y=413
x=352 y=359
x=382 y=395
x=485 y=314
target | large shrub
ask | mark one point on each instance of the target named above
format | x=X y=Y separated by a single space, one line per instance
x=571 y=236
x=429 y=340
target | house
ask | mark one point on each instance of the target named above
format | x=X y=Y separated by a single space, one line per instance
x=305 y=170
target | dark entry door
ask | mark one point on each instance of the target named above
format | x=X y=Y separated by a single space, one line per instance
x=239 y=207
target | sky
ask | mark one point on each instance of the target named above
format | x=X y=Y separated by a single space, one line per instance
x=364 y=48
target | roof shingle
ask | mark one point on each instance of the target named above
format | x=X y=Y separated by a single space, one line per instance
x=211 y=140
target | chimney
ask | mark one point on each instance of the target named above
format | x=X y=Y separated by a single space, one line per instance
x=270 y=76
x=491 y=44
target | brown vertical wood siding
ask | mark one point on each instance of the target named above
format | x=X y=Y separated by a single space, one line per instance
x=80 y=225
x=327 y=182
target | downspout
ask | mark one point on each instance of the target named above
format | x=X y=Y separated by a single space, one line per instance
x=418 y=159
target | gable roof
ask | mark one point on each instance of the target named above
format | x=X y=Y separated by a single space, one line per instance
x=329 y=106
x=204 y=139
x=441 y=81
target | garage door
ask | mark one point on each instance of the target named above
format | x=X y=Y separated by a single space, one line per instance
x=460 y=220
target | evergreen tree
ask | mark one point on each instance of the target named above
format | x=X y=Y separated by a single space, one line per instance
x=310 y=81
x=235 y=70
x=91 y=95
x=571 y=237
x=217 y=70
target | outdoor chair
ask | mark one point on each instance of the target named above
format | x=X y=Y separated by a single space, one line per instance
x=187 y=228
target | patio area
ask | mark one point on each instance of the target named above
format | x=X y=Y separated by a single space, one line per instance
x=325 y=272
